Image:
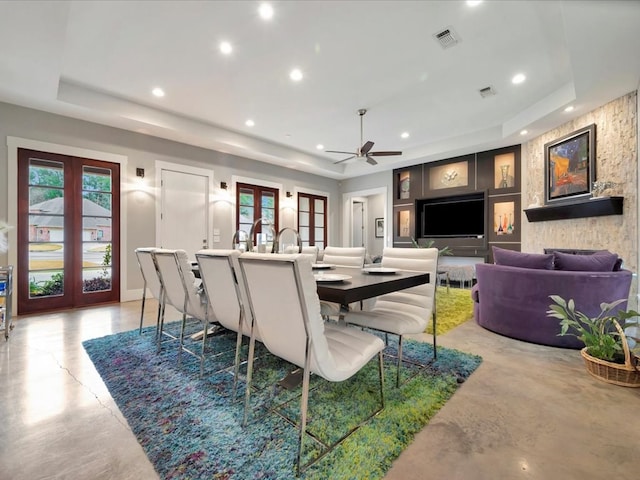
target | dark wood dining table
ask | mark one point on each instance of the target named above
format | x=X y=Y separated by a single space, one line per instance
x=363 y=285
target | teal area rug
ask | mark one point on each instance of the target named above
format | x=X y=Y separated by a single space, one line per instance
x=191 y=428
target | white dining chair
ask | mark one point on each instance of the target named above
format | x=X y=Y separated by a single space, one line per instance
x=222 y=280
x=307 y=250
x=405 y=311
x=151 y=281
x=182 y=291
x=301 y=337
x=351 y=257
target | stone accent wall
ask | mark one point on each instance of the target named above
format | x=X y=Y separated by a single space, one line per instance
x=616 y=160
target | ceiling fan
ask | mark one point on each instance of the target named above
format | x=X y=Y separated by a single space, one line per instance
x=365 y=150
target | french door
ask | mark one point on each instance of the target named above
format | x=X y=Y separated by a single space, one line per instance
x=255 y=202
x=68 y=231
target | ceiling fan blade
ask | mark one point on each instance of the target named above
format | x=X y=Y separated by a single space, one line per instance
x=344 y=160
x=339 y=151
x=385 y=154
x=366 y=147
x=371 y=161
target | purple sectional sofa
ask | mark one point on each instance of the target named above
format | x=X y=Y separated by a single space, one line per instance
x=513 y=301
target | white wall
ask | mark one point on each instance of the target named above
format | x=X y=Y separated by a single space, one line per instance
x=143 y=151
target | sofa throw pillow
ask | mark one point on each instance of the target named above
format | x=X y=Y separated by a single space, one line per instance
x=598 y=262
x=511 y=258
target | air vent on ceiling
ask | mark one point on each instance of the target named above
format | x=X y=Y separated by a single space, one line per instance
x=447 y=38
x=487 y=92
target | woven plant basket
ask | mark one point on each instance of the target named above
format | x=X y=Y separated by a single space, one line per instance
x=627 y=374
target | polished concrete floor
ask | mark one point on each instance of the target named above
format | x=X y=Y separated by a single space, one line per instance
x=528 y=412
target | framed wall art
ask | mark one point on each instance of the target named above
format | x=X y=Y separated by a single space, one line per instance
x=379 y=227
x=569 y=166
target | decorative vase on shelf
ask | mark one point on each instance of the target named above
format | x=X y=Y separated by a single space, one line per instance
x=504 y=171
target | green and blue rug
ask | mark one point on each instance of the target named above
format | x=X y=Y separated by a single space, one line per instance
x=191 y=428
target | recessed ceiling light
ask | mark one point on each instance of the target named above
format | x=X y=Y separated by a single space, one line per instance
x=226 y=48
x=320 y=146
x=404 y=134
x=519 y=78
x=473 y=3
x=524 y=132
x=266 y=11
x=158 y=92
x=569 y=108
x=296 y=75
x=249 y=123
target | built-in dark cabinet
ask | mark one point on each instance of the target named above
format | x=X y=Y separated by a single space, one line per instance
x=480 y=190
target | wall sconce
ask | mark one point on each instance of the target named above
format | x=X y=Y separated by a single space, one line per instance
x=223 y=185
x=289 y=194
x=140 y=172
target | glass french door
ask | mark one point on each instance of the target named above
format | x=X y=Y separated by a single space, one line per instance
x=254 y=202
x=68 y=231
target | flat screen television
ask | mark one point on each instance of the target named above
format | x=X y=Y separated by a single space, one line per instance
x=460 y=216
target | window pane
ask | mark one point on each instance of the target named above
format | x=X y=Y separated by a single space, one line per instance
x=320 y=245
x=96 y=254
x=246 y=197
x=96 y=280
x=246 y=215
x=46 y=200
x=304 y=204
x=45 y=256
x=269 y=215
x=303 y=219
x=268 y=200
x=46 y=284
x=318 y=206
x=304 y=233
x=96 y=204
x=319 y=219
x=96 y=229
x=46 y=173
x=319 y=233
x=46 y=228
x=96 y=179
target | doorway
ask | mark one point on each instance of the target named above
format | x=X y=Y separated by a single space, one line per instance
x=184 y=210
x=68 y=231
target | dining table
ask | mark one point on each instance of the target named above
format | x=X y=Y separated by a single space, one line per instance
x=363 y=283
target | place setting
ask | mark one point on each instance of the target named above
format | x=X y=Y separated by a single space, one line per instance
x=331 y=277
x=378 y=270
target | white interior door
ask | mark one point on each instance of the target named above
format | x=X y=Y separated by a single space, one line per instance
x=184 y=218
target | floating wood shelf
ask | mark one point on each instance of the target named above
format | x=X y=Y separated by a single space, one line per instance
x=595 y=207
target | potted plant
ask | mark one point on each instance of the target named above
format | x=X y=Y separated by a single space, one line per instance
x=607 y=353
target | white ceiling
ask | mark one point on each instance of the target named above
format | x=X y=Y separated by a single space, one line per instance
x=99 y=60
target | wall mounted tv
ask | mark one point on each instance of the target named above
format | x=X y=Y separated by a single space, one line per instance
x=459 y=216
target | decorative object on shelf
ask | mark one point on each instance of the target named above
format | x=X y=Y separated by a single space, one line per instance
x=503 y=212
x=404 y=223
x=405 y=186
x=606 y=354
x=600 y=186
x=449 y=175
x=504 y=172
x=379 y=227
x=570 y=165
x=536 y=201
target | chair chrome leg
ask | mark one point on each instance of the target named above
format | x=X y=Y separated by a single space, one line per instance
x=399 y=361
x=144 y=297
x=204 y=346
x=236 y=367
x=304 y=403
x=381 y=377
x=184 y=323
x=247 y=391
x=161 y=308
